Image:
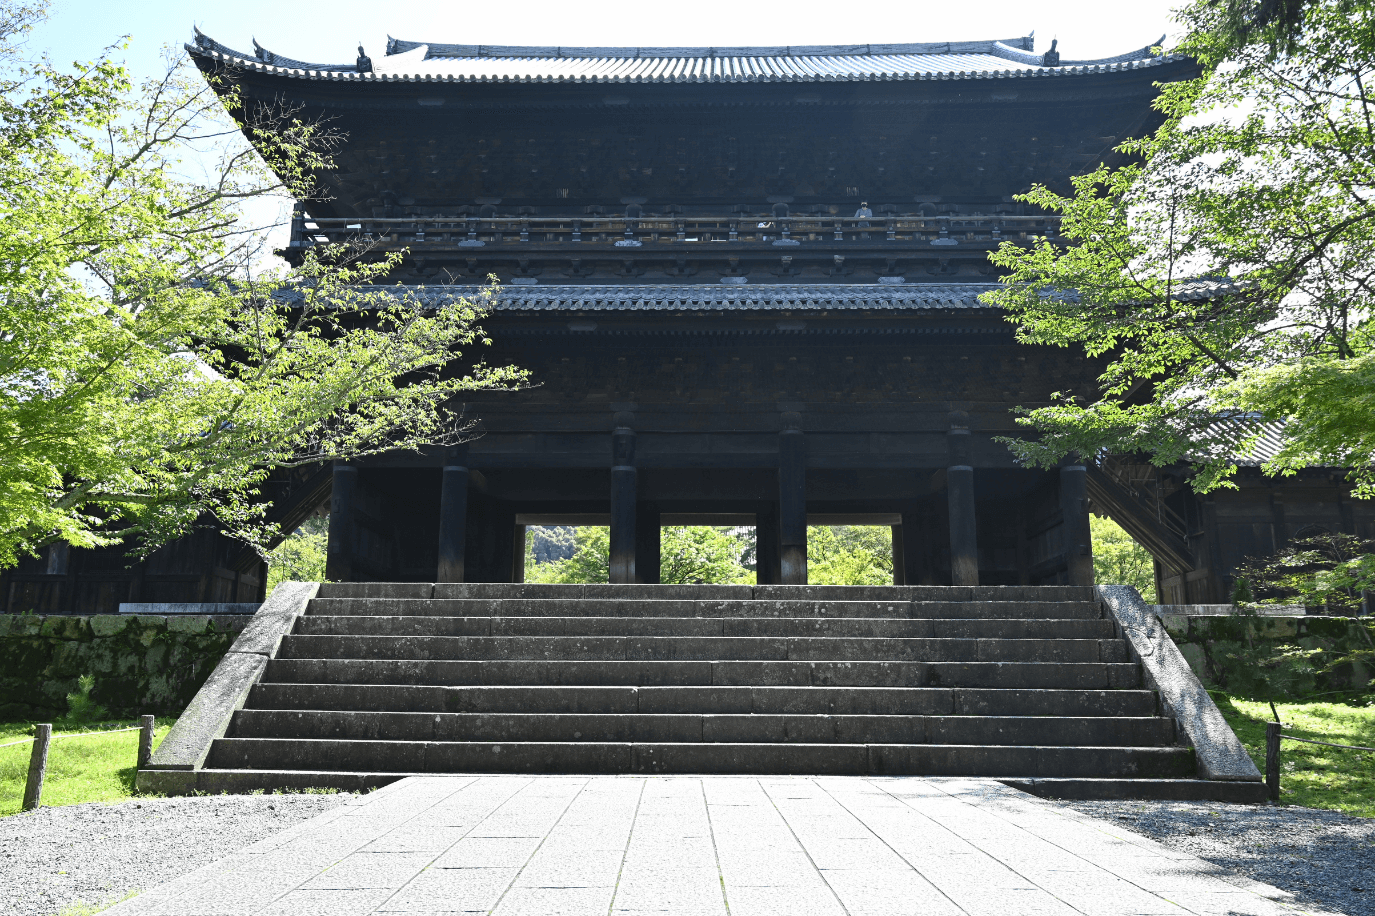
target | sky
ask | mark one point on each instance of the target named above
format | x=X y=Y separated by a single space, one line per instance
x=329 y=32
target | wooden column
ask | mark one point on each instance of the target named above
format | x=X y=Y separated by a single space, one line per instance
x=518 y=554
x=453 y=518
x=792 y=503
x=647 y=544
x=959 y=489
x=899 y=557
x=766 y=571
x=623 y=486
x=339 y=553
x=1074 y=512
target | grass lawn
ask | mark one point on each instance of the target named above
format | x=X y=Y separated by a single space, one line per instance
x=1312 y=775
x=95 y=768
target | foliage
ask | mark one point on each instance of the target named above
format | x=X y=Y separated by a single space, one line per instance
x=301 y=555
x=153 y=367
x=1119 y=560
x=98 y=768
x=701 y=554
x=1313 y=776
x=687 y=555
x=1259 y=175
x=80 y=706
x=550 y=542
x=590 y=562
x=1324 y=571
x=850 y=555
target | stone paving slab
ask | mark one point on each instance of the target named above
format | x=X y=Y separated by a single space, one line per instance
x=708 y=846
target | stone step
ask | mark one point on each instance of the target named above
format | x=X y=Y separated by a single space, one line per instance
x=1240 y=793
x=677 y=728
x=1053 y=675
x=629 y=757
x=701 y=648
x=238 y=781
x=680 y=608
x=866 y=627
x=939 y=701
x=709 y=592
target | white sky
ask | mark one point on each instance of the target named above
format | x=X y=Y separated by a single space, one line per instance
x=328 y=32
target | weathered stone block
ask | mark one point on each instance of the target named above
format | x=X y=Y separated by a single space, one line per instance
x=104 y=626
x=192 y=623
x=1176 y=625
x=1196 y=657
x=63 y=628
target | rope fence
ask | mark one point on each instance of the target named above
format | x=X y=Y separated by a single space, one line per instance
x=43 y=737
x=1273 y=736
x=105 y=731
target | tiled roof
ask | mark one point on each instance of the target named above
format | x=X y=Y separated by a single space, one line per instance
x=408 y=61
x=717 y=297
x=1234 y=433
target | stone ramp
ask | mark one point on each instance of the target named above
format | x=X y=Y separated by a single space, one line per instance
x=707 y=846
x=375 y=680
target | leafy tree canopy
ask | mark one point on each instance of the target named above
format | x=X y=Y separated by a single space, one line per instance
x=1229 y=271
x=155 y=363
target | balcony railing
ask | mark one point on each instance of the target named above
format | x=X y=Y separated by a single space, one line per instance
x=670 y=231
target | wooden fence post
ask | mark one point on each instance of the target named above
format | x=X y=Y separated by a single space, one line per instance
x=38 y=766
x=1272 y=760
x=145 y=741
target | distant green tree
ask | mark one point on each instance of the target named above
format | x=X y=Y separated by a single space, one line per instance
x=849 y=555
x=688 y=555
x=300 y=557
x=1119 y=560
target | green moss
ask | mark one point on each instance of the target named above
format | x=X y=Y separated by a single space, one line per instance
x=1313 y=776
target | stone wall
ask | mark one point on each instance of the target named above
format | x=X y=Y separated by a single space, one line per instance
x=1280 y=655
x=141 y=664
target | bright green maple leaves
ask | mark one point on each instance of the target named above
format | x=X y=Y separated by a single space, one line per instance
x=1230 y=271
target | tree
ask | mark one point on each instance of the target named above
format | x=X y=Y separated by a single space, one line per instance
x=1228 y=273
x=849 y=555
x=155 y=364
x=1119 y=560
x=1332 y=573
x=301 y=555
x=688 y=555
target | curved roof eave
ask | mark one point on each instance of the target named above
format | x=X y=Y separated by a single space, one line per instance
x=459 y=63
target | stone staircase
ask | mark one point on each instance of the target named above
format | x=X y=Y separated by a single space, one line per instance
x=382 y=679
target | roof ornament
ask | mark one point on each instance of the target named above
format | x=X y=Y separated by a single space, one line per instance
x=263 y=54
x=1052 y=57
x=364 y=64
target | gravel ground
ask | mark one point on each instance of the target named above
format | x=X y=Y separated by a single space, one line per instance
x=97 y=853
x=1326 y=859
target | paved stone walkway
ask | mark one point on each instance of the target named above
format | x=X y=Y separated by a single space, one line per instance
x=693 y=846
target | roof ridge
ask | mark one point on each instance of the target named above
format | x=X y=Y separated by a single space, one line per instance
x=397 y=46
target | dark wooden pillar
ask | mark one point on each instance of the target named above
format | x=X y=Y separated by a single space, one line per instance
x=623 y=486
x=899 y=557
x=518 y=554
x=453 y=518
x=792 y=503
x=959 y=489
x=766 y=571
x=920 y=523
x=339 y=552
x=647 y=544
x=1074 y=512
